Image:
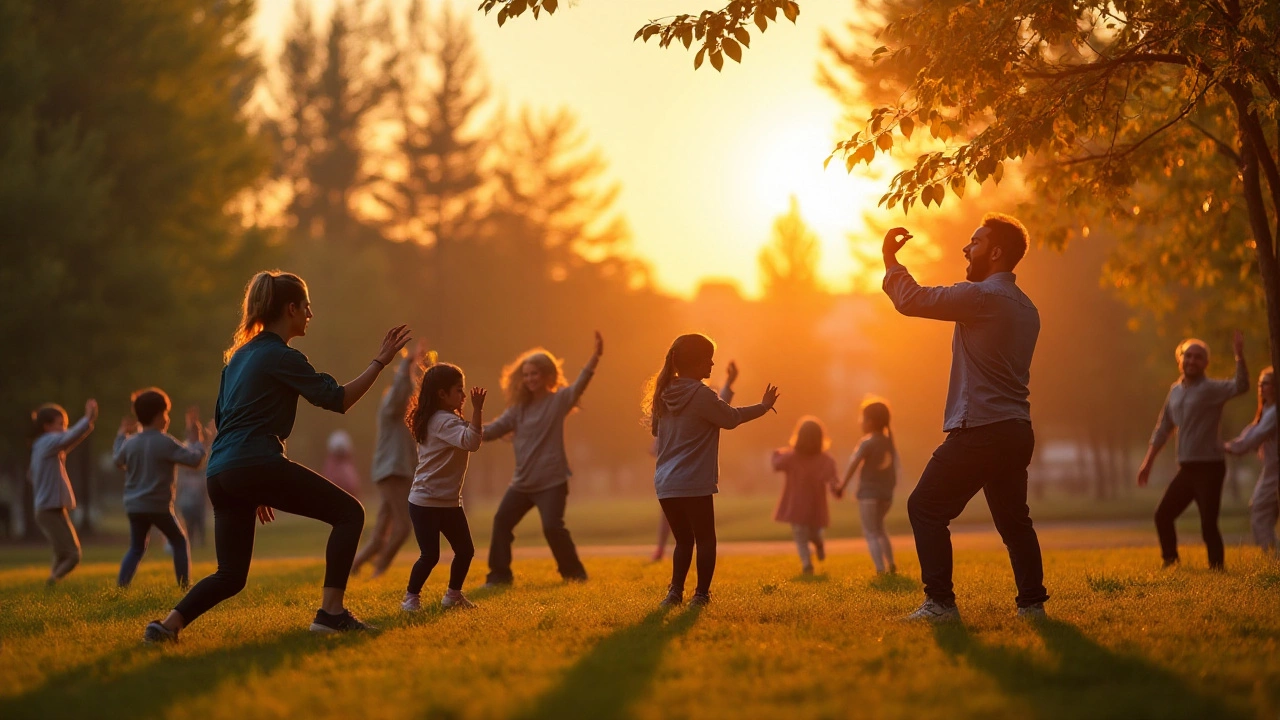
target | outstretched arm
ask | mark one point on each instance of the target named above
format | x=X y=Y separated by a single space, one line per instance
x=588 y=371
x=395 y=339
x=954 y=303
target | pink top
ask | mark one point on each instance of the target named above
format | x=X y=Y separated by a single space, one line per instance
x=341 y=471
x=804 y=493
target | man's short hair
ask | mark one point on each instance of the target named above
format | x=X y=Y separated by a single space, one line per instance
x=148 y=403
x=1188 y=344
x=1007 y=234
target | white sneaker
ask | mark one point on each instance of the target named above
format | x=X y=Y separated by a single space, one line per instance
x=455 y=599
x=934 y=612
x=1032 y=612
x=411 y=603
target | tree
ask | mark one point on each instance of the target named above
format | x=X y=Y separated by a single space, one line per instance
x=789 y=263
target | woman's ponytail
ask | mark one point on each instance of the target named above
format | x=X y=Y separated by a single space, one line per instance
x=265 y=299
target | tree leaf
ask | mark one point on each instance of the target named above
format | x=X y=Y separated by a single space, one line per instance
x=743 y=36
x=717 y=60
x=761 y=21
x=732 y=49
x=926 y=195
x=550 y=6
x=998 y=172
x=906 y=125
x=885 y=141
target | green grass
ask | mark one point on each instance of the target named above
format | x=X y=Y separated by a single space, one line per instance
x=1126 y=640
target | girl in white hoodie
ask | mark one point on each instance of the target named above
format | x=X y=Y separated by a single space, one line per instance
x=686 y=417
x=445 y=442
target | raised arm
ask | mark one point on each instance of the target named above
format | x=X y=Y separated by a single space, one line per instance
x=730 y=377
x=192 y=453
x=395 y=339
x=127 y=427
x=1240 y=385
x=588 y=371
x=955 y=303
x=396 y=403
x=68 y=439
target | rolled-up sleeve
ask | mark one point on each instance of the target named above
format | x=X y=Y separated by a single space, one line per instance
x=954 y=303
x=319 y=389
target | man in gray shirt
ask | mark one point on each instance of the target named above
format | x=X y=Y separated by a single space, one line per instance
x=1194 y=409
x=988 y=418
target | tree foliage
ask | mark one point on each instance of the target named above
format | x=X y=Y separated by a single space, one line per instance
x=789 y=263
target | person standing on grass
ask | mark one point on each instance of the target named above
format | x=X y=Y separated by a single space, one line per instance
x=53 y=497
x=150 y=459
x=1260 y=436
x=249 y=475
x=538 y=401
x=686 y=417
x=988 y=417
x=809 y=471
x=192 y=500
x=878 y=458
x=394 y=462
x=1194 y=409
x=445 y=443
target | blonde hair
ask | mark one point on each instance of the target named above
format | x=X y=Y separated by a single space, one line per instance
x=513 y=375
x=810 y=436
x=685 y=352
x=1266 y=373
x=265 y=299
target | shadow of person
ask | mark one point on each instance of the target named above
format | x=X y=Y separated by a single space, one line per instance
x=894 y=583
x=1083 y=678
x=606 y=681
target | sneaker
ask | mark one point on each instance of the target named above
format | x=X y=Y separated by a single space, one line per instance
x=1170 y=562
x=343 y=622
x=700 y=599
x=156 y=633
x=893 y=569
x=455 y=599
x=496 y=585
x=934 y=612
x=806 y=570
x=576 y=578
x=411 y=602
x=1034 y=611
x=820 y=549
x=674 y=598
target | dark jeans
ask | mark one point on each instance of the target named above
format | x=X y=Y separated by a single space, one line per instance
x=285 y=486
x=139 y=528
x=991 y=458
x=693 y=522
x=514 y=506
x=429 y=523
x=1200 y=482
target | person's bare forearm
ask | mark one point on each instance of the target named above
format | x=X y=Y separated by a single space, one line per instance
x=354 y=390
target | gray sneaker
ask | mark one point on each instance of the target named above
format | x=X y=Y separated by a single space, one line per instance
x=674 y=598
x=455 y=599
x=700 y=599
x=934 y=612
x=156 y=633
x=411 y=603
x=1035 y=611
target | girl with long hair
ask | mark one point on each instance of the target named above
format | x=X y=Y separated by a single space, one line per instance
x=538 y=401
x=809 y=471
x=877 y=457
x=249 y=475
x=445 y=443
x=686 y=417
x=1260 y=436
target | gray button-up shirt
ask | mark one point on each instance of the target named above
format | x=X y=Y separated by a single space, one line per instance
x=991 y=348
x=1195 y=410
x=395 y=454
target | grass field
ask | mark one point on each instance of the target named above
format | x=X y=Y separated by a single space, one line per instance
x=1126 y=640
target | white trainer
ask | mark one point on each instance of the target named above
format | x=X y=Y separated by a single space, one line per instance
x=411 y=603
x=455 y=599
x=933 y=611
x=1032 y=612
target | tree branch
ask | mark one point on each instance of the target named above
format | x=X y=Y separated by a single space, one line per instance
x=1109 y=155
x=1222 y=147
x=1137 y=58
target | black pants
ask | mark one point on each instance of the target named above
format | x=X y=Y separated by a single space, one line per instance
x=1200 y=482
x=693 y=522
x=514 y=506
x=285 y=486
x=139 y=528
x=429 y=523
x=994 y=459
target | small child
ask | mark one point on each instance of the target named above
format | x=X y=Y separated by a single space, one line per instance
x=192 y=500
x=445 y=441
x=150 y=459
x=686 y=417
x=50 y=484
x=877 y=456
x=810 y=471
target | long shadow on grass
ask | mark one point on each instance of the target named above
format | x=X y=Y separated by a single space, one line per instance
x=609 y=679
x=1084 y=679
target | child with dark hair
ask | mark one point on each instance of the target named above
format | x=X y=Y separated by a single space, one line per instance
x=150 y=459
x=445 y=443
x=51 y=487
x=687 y=416
x=809 y=471
x=877 y=457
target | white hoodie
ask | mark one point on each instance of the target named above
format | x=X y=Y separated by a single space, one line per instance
x=689 y=437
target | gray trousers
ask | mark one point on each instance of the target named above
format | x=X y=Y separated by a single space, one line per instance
x=56 y=525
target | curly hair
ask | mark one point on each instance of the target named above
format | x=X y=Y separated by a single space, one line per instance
x=513 y=387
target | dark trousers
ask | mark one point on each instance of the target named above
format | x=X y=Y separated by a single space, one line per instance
x=1200 y=482
x=429 y=523
x=693 y=523
x=514 y=506
x=285 y=486
x=994 y=459
x=140 y=525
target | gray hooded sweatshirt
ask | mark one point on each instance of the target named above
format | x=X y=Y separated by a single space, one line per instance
x=689 y=437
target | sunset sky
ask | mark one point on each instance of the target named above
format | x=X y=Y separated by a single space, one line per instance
x=706 y=160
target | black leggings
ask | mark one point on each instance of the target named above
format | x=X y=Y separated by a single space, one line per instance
x=693 y=522
x=285 y=486
x=429 y=523
x=139 y=528
x=1200 y=482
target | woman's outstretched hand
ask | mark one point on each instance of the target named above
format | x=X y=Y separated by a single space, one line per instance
x=599 y=344
x=397 y=337
x=770 y=396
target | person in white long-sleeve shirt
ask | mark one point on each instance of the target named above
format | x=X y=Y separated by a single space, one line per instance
x=1260 y=436
x=445 y=443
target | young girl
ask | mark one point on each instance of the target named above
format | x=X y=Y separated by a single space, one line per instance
x=538 y=401
x=1260 y=435
x=877 y=457
x=445 y=442
x=249 y=474
x=51 y=487
x=810 y=471
x=686 y=416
